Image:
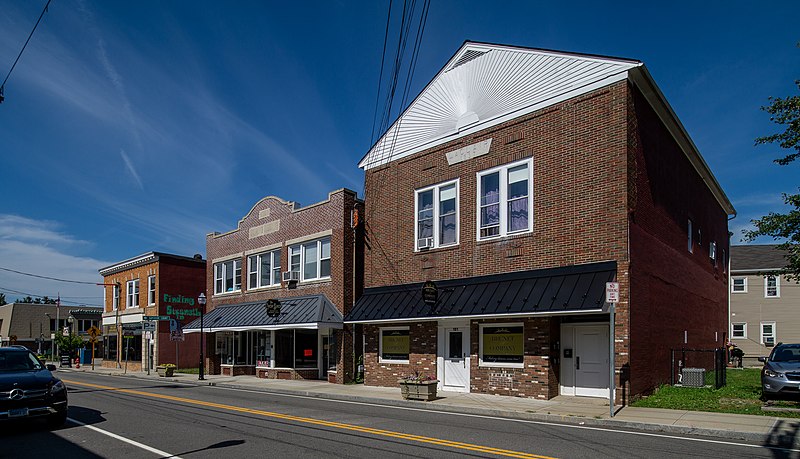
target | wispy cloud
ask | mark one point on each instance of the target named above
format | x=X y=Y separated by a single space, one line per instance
x=38 y=247
x=129 y=166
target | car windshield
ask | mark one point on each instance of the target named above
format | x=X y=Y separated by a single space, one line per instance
x=786 y=354
x=18 y=361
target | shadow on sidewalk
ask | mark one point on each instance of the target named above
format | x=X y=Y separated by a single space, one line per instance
x=783 y=435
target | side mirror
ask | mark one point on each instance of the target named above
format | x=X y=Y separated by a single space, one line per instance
x=50 y=367
x=762 y=359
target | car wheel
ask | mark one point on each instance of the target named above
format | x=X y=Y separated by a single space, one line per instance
x=57 y=419
x=764 y=397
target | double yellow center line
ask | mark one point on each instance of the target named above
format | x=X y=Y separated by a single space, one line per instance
x=320 y=422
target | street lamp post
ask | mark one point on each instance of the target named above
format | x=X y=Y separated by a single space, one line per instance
x=201 y=300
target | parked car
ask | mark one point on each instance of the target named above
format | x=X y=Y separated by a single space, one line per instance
x=28 y=388
x=780 y=377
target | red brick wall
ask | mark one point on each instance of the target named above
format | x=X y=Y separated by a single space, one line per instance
x=185 y=278
x=334 y=215
x=579 y=151
x=422 y=355
x=672 y=290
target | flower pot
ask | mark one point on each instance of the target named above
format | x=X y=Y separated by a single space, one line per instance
x=165 y=371
x=418 y=390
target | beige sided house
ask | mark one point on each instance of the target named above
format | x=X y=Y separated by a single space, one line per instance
x=765 y=306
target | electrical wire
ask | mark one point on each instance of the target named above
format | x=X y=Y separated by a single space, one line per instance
x=48 y=277
x=23 y=49
x=34 y=295
x=380 y=76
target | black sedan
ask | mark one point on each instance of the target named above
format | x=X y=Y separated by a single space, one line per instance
x=28 y=389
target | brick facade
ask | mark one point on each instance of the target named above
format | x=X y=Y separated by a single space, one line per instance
x=609 y=180
x=176 y=277
x=275 y=224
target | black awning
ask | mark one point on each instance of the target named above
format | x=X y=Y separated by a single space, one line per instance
x=312 y=311
x=570 y=289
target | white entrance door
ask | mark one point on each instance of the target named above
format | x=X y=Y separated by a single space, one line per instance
x=455 y=360
x=591 y=361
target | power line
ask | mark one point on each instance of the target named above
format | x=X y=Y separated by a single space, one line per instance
x=48 y=277
x=17 y=292
x=380 y=76
x=2 y=86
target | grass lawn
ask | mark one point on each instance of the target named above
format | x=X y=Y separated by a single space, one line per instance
x=191 y=371
x=741 y=396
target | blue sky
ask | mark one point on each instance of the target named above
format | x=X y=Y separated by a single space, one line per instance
x=138 y=126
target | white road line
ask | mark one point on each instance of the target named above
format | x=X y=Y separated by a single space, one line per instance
x=523 y=421
x=126 y=440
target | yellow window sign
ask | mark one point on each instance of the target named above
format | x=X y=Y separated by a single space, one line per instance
x=395 y=344
x=503 y=344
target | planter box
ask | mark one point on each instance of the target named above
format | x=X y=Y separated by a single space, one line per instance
x=422 y=390
x=165 y=371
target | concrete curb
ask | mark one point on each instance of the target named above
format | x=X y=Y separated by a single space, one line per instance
x=783 y=440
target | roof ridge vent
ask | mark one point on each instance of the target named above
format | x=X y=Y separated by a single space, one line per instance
x=469 y=55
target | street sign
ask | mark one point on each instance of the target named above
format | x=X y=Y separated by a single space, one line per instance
x=136 y=326
x=148 y=326
x=175 y=331
x=94 y=332
x=155 y=318
x=612 y=292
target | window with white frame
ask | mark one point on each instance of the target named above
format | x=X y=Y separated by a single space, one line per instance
x=264 y=269
x=151 y=290
x=739 y=330
x=436 y=216
x=504 y=200
x=772 y=287
x=394 y=345
x=228 y=276
x=502 y=345
x=689 y=233
x=768 y=333
x=738 y=285
x=712 y=252
x=311 y=259
x=115 y=298
x=132 y=300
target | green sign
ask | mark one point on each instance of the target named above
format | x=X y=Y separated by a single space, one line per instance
x=181 y=313
x=180 y=299
x=503 y=344
x=155 y=318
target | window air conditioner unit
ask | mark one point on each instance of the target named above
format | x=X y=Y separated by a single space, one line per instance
x=769 y=341
x=425 y=243
x=291 y=276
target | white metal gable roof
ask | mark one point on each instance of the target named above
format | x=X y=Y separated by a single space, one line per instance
x=483 y=85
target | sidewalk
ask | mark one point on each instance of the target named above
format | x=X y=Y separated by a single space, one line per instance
x=765 y=430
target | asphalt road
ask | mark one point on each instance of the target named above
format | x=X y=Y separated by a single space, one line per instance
x=119 y=417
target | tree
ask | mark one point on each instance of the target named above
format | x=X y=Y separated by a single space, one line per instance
x=3 y=299
x=69 y=343
x=784 y=226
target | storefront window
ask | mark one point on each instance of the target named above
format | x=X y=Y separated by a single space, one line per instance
x=131 y=348
x=110 y=347
x=305 y=349
x=394 y=344
x=329 y=350
x=502 y=345
x=263 y=348
x=284 y=348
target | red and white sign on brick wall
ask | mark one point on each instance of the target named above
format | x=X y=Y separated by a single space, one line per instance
x=612 y=292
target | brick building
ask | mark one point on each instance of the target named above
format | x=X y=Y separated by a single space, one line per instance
x=151 y=284
x=502 y=200
x=278 y=287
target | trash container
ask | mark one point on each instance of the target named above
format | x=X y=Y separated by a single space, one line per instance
x=86 y=356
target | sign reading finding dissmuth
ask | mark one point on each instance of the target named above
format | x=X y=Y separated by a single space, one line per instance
x=179 y=313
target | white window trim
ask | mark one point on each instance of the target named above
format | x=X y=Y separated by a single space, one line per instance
x=380 y=345
x=777 y=286
x=131 y=294
x=436 y=193
x=774 y=332
x=744 y=326
x=483 y=364
x=303 y=259
x=115 y=296
x=745 y=285
x=151 y=288
x=219 y=268
x=712 y=252
x=257 y=257
x=689 y=232
x=503 y=200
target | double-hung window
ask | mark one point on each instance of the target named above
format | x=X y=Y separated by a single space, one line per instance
x=228 y=276
x=133 y=294
x=311 y=259
x=115 y=298
x=264 y=269
x=739 y=330
x=436 y=216
x=151 y=290
x=768 y=333
x=772 y=287
x=505 y=200
x=738 y=285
